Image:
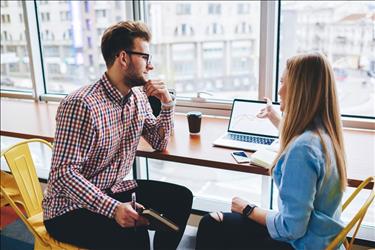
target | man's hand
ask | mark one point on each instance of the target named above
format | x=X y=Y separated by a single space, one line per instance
x=270 y=113
x=238 y=205
x=158 y=89
x=126 y=216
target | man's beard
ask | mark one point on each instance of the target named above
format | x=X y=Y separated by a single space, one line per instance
x=132 y=79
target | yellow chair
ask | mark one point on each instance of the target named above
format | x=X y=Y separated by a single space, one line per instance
x=357 y=219
x=19 y=160
x=8 y=181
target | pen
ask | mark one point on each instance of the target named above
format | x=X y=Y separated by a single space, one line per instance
x=134 y=199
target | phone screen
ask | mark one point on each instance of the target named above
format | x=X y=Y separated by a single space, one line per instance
x=240 y=156
x=240 y=153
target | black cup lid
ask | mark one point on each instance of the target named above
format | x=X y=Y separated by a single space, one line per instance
x=194 y=113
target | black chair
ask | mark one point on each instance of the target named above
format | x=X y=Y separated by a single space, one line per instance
x=156 y=104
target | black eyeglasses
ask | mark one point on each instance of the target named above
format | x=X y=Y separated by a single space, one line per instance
x=145 y=56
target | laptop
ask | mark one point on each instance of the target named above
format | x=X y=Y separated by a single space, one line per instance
x=246 y=131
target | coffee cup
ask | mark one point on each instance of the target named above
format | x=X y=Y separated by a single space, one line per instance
x=194 y=119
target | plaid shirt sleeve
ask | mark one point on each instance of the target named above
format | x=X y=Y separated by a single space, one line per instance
x=74 y=134
x=157 y=131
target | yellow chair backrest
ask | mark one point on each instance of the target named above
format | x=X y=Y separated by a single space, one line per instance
x=23 y=170
x=356 y=220
x=21 y=165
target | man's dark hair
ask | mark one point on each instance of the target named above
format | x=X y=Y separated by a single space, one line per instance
x=121 y=37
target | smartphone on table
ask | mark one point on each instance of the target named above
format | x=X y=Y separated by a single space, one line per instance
x=240 y=157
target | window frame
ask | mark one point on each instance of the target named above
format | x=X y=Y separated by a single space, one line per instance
x=268 y=63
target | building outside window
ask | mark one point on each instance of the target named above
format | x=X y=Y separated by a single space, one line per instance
x=82 y=31
x=309 y=26
x=216 y=76
x=15 y=74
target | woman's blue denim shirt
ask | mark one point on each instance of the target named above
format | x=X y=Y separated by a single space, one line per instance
x=309 y=195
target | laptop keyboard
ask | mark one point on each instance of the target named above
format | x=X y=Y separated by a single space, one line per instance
x=251 y=139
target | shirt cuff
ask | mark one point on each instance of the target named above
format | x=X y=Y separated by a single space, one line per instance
x=107 y=206
x=271 y=226
x=169 y=105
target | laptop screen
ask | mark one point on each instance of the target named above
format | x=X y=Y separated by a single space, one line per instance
x=243 y=119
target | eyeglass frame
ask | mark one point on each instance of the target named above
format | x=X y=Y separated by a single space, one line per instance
x=148 y=59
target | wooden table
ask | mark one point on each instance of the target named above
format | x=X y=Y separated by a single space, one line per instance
x=28 y=119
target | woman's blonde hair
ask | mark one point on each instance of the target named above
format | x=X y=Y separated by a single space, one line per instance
x=311 y=103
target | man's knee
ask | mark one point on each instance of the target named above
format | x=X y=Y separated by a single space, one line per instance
x=182 y=194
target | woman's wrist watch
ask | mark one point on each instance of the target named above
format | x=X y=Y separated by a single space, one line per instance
x=248 y=210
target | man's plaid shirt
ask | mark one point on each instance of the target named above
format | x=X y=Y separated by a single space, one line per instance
x=97 y=134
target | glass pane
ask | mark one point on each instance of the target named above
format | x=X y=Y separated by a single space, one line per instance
x=345 y=32
x=209 y=185
x=355 y=206
x=40 y=153
x=219 y=55
x=15 y=69
x=71 y=35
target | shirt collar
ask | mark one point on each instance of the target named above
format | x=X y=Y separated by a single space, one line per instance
x=113 y=93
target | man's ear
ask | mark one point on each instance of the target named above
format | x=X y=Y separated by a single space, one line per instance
x=123 y=59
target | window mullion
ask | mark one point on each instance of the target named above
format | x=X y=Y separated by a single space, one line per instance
x=267 y=53
x=34 y=49
x=139 y=11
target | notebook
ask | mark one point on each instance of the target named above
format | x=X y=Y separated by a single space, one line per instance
x=245 y=130
x=158 y=221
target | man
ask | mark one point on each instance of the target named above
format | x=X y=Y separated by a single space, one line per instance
x=98 y=128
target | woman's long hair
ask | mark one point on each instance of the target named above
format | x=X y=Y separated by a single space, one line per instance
x=311 y=103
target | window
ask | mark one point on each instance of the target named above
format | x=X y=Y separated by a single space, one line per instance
x=184 y=30
x=200 y=58
x=243 y=28
x=213 y=60
x=65 y=16
x=51 y=51
x=88 y=24
x=45 y=16
x=183 y=9
x=213 y=189
x=193 y=57
x=214 y=9
x=89 y=42
x=5 y=18
x=215 y=29
x=68 y=46
x=100 y=13
x=15 y=74
x=307 y=26
x=4 y=4
x=220 y=55
x=243 y=8
x=87 y=6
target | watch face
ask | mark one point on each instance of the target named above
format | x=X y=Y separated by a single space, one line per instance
x=248 y=210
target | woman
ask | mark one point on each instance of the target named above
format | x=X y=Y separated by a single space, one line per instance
x=309 y=170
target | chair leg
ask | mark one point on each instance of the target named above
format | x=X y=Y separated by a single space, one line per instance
x=40 y=246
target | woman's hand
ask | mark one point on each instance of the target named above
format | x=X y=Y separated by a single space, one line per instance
x=258 y=215
x=270 y=113
x=238 y=205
